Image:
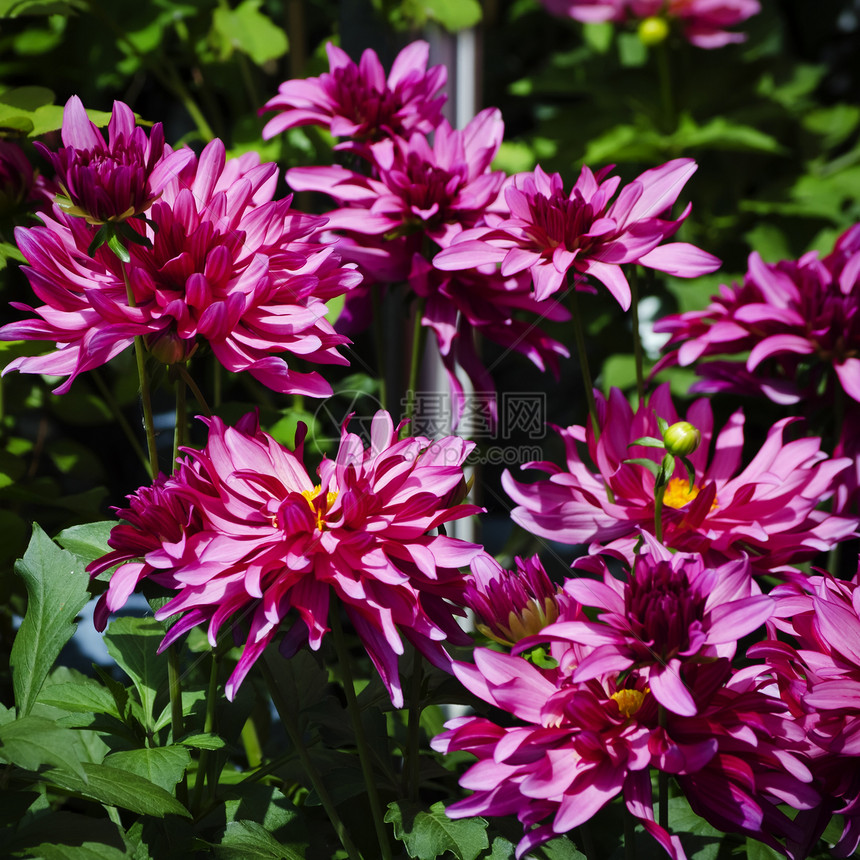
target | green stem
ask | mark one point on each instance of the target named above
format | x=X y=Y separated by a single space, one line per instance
x=145 y=398
x=411 y=769
x=378 y=344
x=586 y=839
x=181 y=428
x=582 y=354
x=176 y=719
x=188 y=379
x=208 y=726
x=251 y=743
x=291 y=727
x=659 y=490
x=418 y=335
x=637 y=339
x=107 y=396
x=361 y=741
x=664 y=74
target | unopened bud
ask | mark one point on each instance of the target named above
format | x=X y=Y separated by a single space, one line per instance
x=681 y=438
x=653 y=30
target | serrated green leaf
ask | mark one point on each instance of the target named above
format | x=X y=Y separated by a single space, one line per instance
x=133 y=643
x=31 y=742
x=120 y=788
x=561 y=849
x=88 y=541
x=248 y=839
x=80 y=697
x=56 y=592
x=429 y=834
x=162 y=766
x=759 y=851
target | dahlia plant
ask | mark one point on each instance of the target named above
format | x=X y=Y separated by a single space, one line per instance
x=658 y=638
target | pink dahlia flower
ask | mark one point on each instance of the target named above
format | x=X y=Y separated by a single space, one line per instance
x=116 y=180
x=787 y=317
x=510 y=605
x=358 y=102
x=555 y=235
x=242 y=532
x=703 y=22
x=417 y=188
x=671 y=609
x=769 y=509
x=225 y=265
x=577 y=745
x=462 y=307
x=22 y=189
x=814 y=653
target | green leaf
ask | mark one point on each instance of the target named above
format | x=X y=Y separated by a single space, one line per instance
x=56 y=592
x=88 y=541
x=248 y=30
x=247 y=839
x=453 y=15
x=163 y=766
x=759 y=851
x=648 y=442
x=120 y=788
x=85 y=696
x=85 y=851
x=650 y=465
x=562 y=849
x=203 y=741
x=429 y=834
x=133 y=643
x=30 y=742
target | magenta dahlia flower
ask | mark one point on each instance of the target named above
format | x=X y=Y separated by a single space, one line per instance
x=418 y=188
x=703 y=23
x=814 y=654
x=578 y=745
x=510 y=605
x=670 y=609
x=555 y=235
x=798 y=323
x=116 y=180
x=22 y=189
x=769 y=509
x=225 y=265
x=242 y=533
x=358 y=102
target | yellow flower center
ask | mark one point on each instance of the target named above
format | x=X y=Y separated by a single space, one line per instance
x=628 y=701
x=678 y=493
x=319 y=510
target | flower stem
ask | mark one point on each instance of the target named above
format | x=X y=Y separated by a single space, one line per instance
x=411 y=769
x=664 y=74
x=126 y=428
x=180 y=430
x=360 y=739
x=582 y=354
x=629 y=835
x=208 y=726
x=291 y=727
x=378 y=344
x=176 y=719
x=637 y=339
x=188 y=379
x=418 y=336
x=145 y=398
x=658 y=512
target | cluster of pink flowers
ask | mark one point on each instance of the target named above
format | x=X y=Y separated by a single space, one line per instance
x=217 y=261
x=629 y=665
x=242 y=534
x=435 y=215
x=797 y=323
x=703 y=23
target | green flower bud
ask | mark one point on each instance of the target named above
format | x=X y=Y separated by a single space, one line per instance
x=653 y=30
x=681 y=438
